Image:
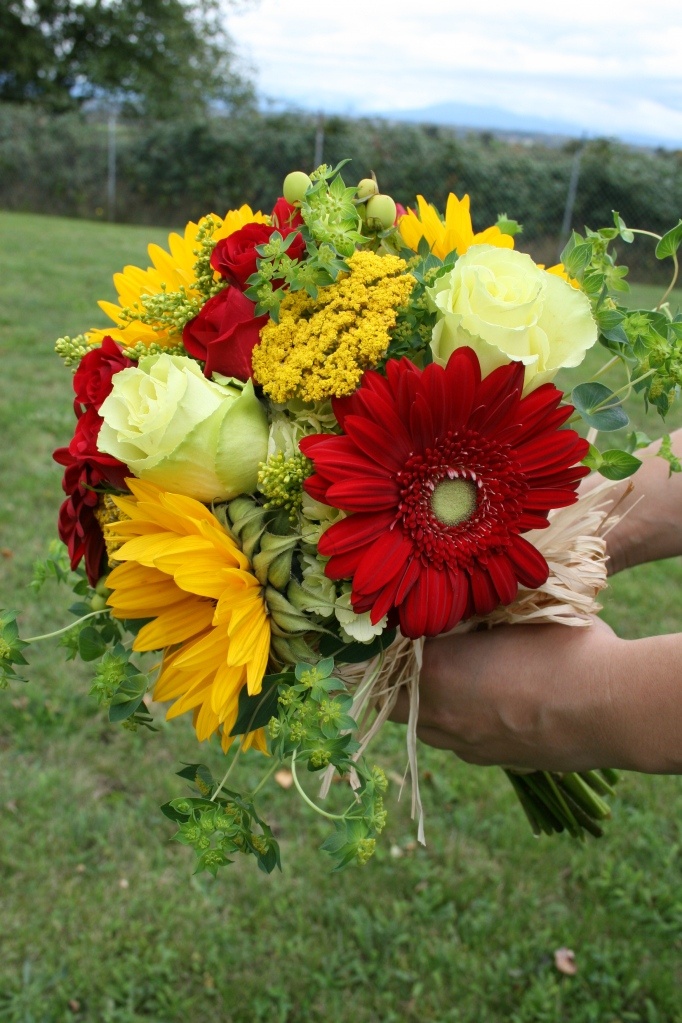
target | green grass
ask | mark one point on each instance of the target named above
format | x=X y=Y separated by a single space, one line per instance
x=100 y=916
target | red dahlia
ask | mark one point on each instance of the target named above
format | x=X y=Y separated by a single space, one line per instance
x=441 y=473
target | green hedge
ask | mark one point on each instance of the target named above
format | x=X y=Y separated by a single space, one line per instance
x=170 y=171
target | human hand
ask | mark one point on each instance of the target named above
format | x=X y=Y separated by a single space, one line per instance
x=532 y=696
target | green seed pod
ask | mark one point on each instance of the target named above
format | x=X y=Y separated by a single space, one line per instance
x=102 y=587
x=98 y=602
x=367 y=188
x=246 y=521
x=284 y=618
x=273 y=562
x=295 y=186
x=279 y=572
x=381 y=212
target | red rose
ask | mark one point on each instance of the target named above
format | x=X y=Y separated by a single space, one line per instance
x=224 y=334
x=235 y=257
x=92 y=381
x=285 y=217
x=86 y=470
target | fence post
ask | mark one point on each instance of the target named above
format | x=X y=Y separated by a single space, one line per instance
x=570 y=196
x=111 y=167
x=319 y=141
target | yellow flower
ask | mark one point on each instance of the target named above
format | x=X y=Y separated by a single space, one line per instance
x=184 y=571
x=173 y=274
x=455 y=234
x=559 y=270
x=321 y=347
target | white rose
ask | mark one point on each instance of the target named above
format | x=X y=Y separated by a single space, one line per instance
x=501 y=304
x=177 y=429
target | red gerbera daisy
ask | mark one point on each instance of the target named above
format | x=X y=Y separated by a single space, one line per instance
x=441 y=472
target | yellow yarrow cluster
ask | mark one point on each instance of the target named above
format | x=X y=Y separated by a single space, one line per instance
x=321 y=347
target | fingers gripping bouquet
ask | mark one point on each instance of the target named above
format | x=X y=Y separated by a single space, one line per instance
x=309 y=441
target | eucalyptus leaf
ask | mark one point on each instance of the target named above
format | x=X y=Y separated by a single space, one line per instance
x=599 y=406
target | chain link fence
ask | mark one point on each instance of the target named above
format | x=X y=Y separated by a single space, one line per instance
x=99 y=167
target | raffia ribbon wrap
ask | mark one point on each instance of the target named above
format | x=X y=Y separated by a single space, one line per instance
x=575 y=550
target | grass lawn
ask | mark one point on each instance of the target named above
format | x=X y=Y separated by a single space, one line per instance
x=100 y=916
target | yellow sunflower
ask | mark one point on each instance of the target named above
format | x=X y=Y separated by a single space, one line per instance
x=184 y=571
x=455 y=233
x=170 y=272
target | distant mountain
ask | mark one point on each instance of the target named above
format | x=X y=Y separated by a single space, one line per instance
x=495 y=119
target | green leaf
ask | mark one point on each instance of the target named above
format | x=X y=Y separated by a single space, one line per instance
x=255 y=711
x=636 y=440
x=91 y=645
x=599 y=406
x=618 y=465
x=578 y=258
x=593 y=459
x=172 y=811
x=625 y=233
x=355 y=653
x=507 y=226
x=670 y=242
x=200 y=776
x=128 y=697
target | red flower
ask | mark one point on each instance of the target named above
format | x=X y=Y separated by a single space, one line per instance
x=224 y=334
x=235 y=257
x=441 y=472
x=285 y=217
x=92 y=381
x=87 y=470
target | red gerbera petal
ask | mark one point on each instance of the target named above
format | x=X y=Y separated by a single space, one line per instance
x=441 y=472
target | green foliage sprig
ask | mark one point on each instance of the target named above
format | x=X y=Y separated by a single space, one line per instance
x=647 y=343
x=307 y=716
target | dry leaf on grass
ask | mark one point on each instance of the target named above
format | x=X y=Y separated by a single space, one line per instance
x=564 y=960
x=284 y=778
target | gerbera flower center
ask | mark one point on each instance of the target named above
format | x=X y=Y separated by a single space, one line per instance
x=454 y=501
x=462 y=497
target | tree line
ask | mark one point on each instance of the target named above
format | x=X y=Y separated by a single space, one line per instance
x=171 y=170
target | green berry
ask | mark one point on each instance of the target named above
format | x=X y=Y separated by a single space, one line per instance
x=381 y=212
x=367 y=188
x=102 y=587
x=98 y=602
x=296 y=184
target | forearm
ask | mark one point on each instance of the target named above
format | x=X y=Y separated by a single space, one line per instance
x=642 y=721
x=555 y=698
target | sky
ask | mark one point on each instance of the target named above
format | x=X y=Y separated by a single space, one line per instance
x=603 y=68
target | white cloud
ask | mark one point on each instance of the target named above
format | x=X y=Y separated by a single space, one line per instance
x=601 y=64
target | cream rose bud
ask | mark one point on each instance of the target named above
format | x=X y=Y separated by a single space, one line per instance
x=187 y=434
x=501 y=304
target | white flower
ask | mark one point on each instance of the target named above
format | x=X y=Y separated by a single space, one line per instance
x=501 y=304
x=188 y=435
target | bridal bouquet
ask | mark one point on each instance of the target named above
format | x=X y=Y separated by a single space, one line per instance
x=309 y=441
